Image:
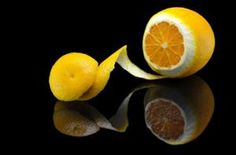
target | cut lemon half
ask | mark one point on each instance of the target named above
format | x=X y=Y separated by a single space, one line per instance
x=177 y=42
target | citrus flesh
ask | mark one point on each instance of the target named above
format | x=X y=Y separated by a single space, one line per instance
x=179 y=112
x=164 y=45
x=165 y=119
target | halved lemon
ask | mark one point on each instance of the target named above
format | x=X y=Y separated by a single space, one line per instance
x=177 y=42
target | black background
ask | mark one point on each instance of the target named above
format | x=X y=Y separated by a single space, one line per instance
x=98 y=29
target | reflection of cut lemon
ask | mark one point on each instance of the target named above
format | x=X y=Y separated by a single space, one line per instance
x=177 y=42
x=179 y=112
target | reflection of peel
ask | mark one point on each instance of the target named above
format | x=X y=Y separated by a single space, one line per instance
x=178 y=113
x=121 y=113
x=80 y=119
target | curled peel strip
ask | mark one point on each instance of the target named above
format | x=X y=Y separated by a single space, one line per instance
x=107 y=66
x=126 y=64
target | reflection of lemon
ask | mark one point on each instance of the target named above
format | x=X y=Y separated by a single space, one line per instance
x=179 y=112
x=80 y=119
x=177 y=42
x=72 y=75
x=69 y=120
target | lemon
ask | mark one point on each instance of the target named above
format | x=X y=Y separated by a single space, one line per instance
x=77 y=76
x=72 y=75
x=178 y=42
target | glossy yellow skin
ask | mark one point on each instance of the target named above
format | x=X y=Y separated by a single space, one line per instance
x=72 y=75
x=77 y=76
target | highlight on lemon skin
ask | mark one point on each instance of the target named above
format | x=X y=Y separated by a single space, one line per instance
x=72 y=75
x=179 y=112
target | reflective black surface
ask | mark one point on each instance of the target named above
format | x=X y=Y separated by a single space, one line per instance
x=176 y=112
x=100 y=28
